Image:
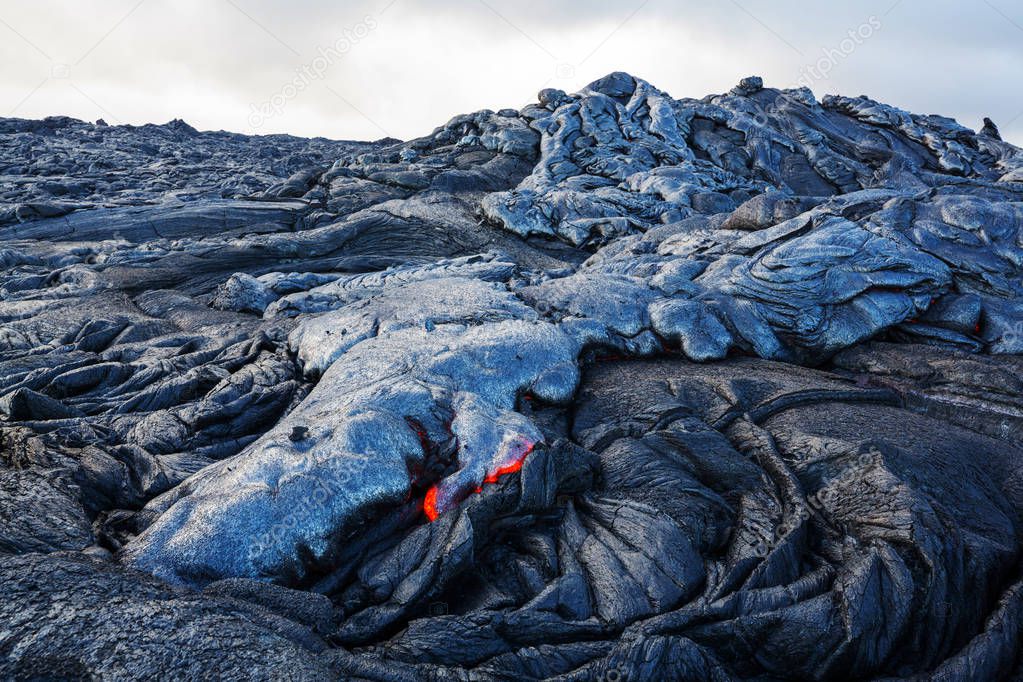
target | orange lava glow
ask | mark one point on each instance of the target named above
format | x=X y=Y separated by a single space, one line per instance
x=507 y=469
x=430 y=503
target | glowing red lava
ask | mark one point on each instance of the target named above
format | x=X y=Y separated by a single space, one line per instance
x=430 y=501
x=506 y=469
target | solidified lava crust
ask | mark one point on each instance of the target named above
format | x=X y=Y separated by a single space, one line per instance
x=615 y=386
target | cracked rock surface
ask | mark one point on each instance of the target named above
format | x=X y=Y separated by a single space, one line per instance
x=614 y=386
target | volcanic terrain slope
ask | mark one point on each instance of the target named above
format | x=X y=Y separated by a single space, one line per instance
x=613 y=387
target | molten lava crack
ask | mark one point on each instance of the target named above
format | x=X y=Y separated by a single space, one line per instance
x=430 y=501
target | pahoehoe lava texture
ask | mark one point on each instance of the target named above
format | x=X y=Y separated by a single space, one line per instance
x=612 y=387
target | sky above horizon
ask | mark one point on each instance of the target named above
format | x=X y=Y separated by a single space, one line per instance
x=369 y=69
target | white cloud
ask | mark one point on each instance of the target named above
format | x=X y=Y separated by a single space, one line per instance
x=212 y=62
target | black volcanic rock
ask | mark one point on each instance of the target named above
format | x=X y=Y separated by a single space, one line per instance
x=616 y=386
x=990 y=129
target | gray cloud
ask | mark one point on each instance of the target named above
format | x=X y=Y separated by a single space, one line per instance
x=365 y=68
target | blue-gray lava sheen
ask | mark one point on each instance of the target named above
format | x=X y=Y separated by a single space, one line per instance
x=613 y=387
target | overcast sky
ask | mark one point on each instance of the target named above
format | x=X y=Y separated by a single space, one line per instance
x=366 y=69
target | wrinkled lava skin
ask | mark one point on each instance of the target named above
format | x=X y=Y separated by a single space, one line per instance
x=615 y=386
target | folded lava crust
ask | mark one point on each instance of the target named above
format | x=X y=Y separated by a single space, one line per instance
x=613 y=387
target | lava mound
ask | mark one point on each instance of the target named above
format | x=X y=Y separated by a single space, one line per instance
x=613 y=387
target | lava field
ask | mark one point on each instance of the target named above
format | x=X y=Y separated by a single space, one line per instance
x=614 y=387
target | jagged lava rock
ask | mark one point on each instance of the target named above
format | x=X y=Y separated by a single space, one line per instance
x=616 y=384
